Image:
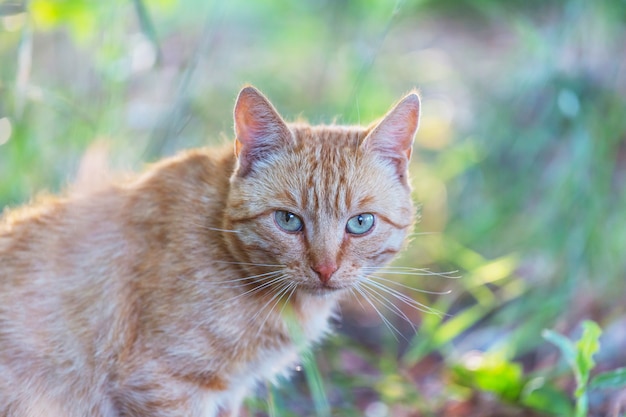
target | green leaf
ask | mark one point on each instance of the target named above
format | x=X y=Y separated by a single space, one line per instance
x=539 y=395
x=610 y=379
x=586 y=347
x=493 y=373
x=580 y=359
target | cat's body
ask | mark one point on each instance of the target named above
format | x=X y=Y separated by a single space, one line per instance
x=170 y=294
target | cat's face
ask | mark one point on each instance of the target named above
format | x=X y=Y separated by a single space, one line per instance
x=320 y=206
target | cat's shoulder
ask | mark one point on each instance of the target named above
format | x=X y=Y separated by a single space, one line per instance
x=205 y=164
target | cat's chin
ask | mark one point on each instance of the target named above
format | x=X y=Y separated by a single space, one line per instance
x=322 y=290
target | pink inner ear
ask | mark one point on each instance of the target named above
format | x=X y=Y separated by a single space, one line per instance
x=393 y=136
x=259 y=128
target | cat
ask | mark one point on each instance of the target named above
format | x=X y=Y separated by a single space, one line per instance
x=173 y=292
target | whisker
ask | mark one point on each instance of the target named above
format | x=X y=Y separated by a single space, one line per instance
x=399 y=284
x=249 y=264
x=268 y=283
x=259 y=287
x=402 y=270
x=293 y=290
x=358 y=299
x=214 y=228
x=253 y=278
x=389 y=305
x=410 y=235
x=281 y=288
x=222 y=230
x=399 y=296
x=366 y=297
x=408 y=269
x=276 y=298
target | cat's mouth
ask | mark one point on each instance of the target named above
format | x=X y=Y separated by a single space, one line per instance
x=322 y=289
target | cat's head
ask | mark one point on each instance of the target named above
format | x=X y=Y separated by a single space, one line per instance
x=318 y=205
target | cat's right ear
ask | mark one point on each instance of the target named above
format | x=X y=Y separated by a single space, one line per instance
x=392 y=138
x=259 y=129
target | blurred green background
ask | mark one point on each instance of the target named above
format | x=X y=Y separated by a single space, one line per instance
x=519 y=167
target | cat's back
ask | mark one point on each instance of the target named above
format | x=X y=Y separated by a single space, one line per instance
x=42 y=241
x=52 y=235
x=69 y=270
x=54 y=307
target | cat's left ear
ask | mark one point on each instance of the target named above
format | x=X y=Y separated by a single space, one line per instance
x=393 y=136
x=259 y=128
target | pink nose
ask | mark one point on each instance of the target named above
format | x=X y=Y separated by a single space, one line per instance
x=325 y=271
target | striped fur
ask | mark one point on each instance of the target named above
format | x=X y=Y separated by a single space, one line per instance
x=171 y=293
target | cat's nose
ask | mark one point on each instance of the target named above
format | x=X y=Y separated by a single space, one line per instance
x=325 y=271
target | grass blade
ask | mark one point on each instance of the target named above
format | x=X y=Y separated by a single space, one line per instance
x=147 y=27
x=610 y=379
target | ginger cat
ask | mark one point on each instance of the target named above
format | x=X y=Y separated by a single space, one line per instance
x=168 y=294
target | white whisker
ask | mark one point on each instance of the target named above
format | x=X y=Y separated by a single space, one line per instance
x=221 y=284
x=275 y=299
x=422 y=234
x=389 y=305
x=401 y=270
x=222 y=230
x=265 y=284
x=358 y=299
x=399 y=284
x=366 y=297
x=249 y=264
x=253 y=278
x=399 y=296
x=294 y=286
x=215 y=229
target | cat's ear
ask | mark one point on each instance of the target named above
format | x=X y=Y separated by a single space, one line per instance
x=393 y=136
x=259 y=129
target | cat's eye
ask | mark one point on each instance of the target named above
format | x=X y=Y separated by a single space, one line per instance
x=360 y=224
x=288 y=221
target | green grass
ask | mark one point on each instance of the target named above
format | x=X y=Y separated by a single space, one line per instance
x=519 y=166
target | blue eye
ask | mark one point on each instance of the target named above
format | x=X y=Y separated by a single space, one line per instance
x=360 y=224
x=288 y=221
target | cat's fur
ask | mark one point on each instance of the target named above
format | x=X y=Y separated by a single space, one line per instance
x=168 y=294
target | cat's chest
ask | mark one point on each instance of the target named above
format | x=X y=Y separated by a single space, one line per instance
x=305 y=329
x=308 y=327
x=271 y=363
